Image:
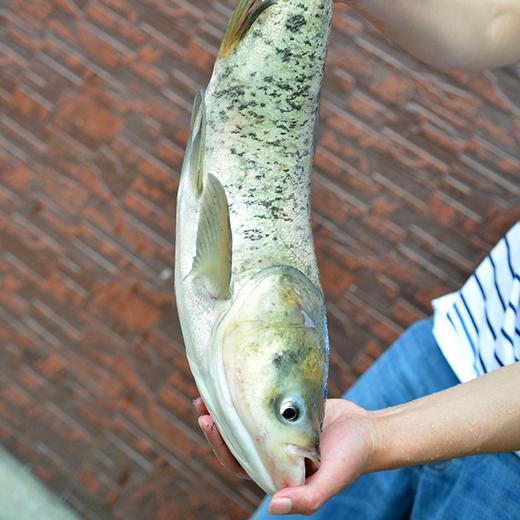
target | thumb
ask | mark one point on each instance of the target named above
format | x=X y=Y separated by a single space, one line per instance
x=307 y=499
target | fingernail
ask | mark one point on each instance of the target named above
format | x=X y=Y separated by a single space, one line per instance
x=280 y=506
x=204 y=433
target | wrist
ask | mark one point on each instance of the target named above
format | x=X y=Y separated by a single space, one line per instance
x=377 y=452
x=392 y=445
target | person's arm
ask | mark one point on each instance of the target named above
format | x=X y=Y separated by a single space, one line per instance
x=481 y=416
x=448 y=34
x=478 y=417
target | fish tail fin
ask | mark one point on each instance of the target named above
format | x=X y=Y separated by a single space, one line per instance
x=243 y=18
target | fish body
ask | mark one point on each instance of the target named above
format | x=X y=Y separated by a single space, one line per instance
x=246 y=280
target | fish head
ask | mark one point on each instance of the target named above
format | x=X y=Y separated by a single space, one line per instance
x=274 y=360
x=283 y=407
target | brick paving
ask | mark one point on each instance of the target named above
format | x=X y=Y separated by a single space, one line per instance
x=417 y=175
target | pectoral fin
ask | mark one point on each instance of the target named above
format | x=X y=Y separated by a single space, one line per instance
x=212 y=262
x=243 y=18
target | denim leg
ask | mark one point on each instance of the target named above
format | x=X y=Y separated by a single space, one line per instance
x=482 y=487
x=413 y=367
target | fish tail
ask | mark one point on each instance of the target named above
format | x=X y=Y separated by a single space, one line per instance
x=245 y=15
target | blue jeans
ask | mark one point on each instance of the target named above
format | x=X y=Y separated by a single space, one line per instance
x=473 y=488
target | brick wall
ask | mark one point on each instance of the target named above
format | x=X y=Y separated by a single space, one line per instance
x=417 y=175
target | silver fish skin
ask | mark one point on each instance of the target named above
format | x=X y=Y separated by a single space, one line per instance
x=247 y=284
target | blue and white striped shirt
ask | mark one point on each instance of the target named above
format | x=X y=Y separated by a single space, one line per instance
x=478 y=327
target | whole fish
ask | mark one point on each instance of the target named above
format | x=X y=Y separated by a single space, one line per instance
x=247 y=284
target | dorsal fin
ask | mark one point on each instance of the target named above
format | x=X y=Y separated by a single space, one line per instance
x=197 y=103
x=243 y=18
x=198 y=144
x=212 y=261
x=194 y=156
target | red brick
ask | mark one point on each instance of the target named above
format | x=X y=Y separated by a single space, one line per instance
x=30 y=105
x=91 y=118
x=115 y=23
x=29 y=43
x=170 y=154
x=20 y=179
x=406 y=314
x=496 y=132
x=393 y=89
x=149 y=73
x=15 y=304
x=335 y=280
x=15 y=396
x=30 y=380
x=33 y=10
x=88 y=480
x=126 y=305
x=65 y=192
x=50 y=367
x=445 y=141
x=345 y=23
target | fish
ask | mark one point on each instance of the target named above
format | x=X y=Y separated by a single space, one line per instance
x=248 y=293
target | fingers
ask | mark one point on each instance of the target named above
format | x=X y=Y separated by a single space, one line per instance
x=200 y=406
x=210 y=431
x=306 y=499
x=344 y=450
x=221 y=451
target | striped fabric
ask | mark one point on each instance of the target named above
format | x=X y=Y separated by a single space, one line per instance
x=478 y=327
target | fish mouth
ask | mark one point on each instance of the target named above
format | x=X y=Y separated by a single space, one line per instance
x=311 y=458
x=305 y=462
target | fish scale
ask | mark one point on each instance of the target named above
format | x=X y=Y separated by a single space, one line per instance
x=261 y=112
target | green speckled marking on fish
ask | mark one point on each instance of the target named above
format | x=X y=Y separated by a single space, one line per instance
x=262 y=108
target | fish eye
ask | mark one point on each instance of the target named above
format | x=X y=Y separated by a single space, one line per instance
x=291 y=409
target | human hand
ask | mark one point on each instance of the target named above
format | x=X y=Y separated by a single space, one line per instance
x=347 y=442
x=221 y=451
